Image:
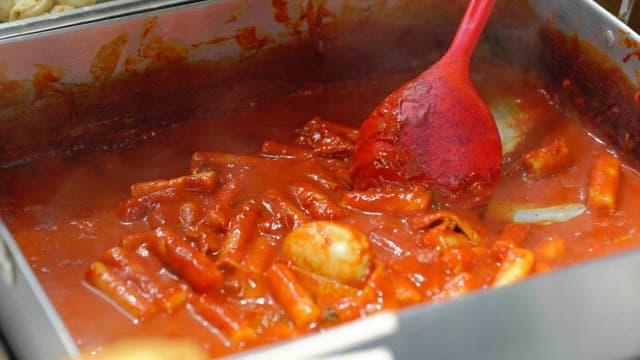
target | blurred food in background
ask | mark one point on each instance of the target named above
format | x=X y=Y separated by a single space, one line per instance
x=147 y=349
x=21 y=9
x=614 y=6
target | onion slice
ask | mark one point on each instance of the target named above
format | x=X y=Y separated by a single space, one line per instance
x=551 y=214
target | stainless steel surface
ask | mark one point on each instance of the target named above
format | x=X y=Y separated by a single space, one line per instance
x=73 y=48
x=29 y=321
x=588 y=21
x=5 y=350
x=585 y=312
x=367 y=337
x=589 y=311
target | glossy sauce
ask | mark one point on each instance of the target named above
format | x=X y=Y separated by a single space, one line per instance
x=63 y=212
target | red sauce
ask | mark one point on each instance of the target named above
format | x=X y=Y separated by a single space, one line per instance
x=280 y=11
x=247 y=38
x=106 y=60
x=64 y=214
x=628 y=57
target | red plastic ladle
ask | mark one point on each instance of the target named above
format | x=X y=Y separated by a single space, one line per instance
x=435 y=130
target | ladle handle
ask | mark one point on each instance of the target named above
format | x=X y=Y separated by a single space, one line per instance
x=470 y=29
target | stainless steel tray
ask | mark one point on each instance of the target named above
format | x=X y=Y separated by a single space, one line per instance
x=586 y=311
x=83 y=15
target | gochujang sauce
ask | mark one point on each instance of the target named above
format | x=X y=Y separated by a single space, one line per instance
x=242 y=229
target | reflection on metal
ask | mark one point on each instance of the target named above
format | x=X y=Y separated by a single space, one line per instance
x=609 y=38
x=340 y=340
x=626 y=7
x=7 y=272
x=589 y=21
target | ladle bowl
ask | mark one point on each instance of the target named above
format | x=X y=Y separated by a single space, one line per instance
x=435 y=130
